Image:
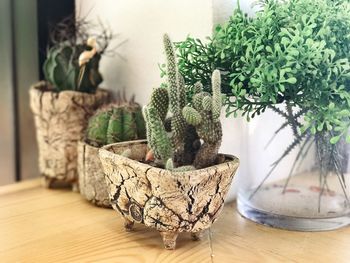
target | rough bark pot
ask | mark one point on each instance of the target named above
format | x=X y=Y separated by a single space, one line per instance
x=60 y=120
x=92 y=182
x=167 y=201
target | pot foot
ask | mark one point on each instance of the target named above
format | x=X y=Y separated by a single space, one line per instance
x=169 y=239
x=128 y=225
x=75 y=187
x=47 y=182
x=196 y=236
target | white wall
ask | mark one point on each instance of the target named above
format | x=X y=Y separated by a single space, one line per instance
x=142 y=23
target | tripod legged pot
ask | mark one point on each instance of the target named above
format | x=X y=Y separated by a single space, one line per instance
x=170 y=202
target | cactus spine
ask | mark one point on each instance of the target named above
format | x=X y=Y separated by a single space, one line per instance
x=117 y=122
x=189 y=122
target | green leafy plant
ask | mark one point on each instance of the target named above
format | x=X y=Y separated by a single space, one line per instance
x=195 y=127
x=117 y=122
x=293 y=58
x=295 y=51
x=72 y=62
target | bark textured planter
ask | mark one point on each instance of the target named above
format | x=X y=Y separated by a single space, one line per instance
x=92 y=182
x=167 y=201
x=60 y=120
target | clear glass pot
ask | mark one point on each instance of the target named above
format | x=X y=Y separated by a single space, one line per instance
x=306 y=188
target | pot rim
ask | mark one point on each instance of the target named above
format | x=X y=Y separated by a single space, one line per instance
x=42 y=86
x=106 y=152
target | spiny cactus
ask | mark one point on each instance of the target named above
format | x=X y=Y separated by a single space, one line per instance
x=170 y=166
x=189 y=122
x=63 y=72
x=117 y=122
x=177 y=99
x=204 y=115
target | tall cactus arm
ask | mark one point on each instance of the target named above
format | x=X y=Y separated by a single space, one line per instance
x=217 y=97
x=172 y=74
x=181 y=91
x=148 y=130
x=160 y=101
x=159 y=141
x=177 y=97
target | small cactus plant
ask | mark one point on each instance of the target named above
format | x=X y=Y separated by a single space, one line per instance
x=72 y=62
x=195 y=127
x=62 y=69
x=116 y=122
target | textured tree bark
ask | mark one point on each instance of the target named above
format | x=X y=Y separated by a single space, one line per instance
x=170 y=202
x=92 y=183
x=60 y=120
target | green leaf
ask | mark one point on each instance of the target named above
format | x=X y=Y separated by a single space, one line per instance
x=313 y=130
x=320 y=127
x=335 y=139
x=222 y=55
x=344 y=113
x=291 y=80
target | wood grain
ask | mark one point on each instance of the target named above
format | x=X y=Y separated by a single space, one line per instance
x=42 y=225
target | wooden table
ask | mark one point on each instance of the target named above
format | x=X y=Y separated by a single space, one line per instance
x=40 y=225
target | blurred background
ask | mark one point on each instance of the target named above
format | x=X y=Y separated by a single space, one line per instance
x=24 y=29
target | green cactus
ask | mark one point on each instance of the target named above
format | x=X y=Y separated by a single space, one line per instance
x=160 y=101
x=61 y=68
x=183 y=150
x=116 y=122
x=170 y=166
x=157 y=136
x=205 y=117
x=177 y=97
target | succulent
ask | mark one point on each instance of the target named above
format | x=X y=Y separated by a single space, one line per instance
x=195 y=128
x=63 y=72
x=116 y=122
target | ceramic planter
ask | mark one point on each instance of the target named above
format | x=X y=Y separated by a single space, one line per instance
x=92 y=183
x=167 y=201
x=60 y=120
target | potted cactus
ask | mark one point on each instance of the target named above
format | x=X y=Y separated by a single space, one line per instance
x=70 y=95
x=183 y=188
x=117 y=122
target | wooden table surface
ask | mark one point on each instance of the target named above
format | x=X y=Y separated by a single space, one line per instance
x=40 y=225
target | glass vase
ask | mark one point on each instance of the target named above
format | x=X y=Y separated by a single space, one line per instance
x=293 y=181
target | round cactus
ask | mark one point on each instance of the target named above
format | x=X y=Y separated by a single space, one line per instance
x=116 y=122
x=61 y=68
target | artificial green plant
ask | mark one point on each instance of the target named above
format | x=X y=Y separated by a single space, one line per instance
x=195 y=130
x=292 y=57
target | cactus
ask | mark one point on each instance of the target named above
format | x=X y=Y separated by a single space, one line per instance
x=177 y=99
x=62 y=69
x=157 y=136
x=183 y=150
x=170 y=166
x=205 y=117
x=116 y=122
